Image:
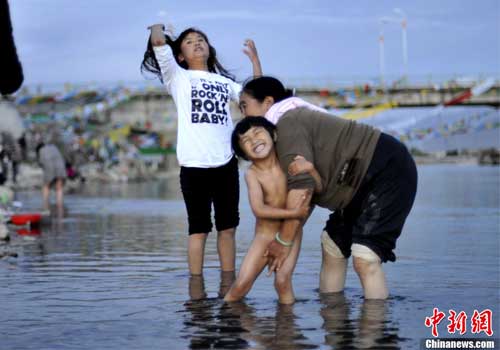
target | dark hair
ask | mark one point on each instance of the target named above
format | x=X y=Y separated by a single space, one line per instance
x=261 y=87
x=243 y=126
x=150 y=64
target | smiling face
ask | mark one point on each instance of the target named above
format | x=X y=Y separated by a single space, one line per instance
x=256 y=143
x=194 y=47
x=251 y=107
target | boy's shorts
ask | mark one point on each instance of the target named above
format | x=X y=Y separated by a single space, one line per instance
x=375 y=216
x=202 y=187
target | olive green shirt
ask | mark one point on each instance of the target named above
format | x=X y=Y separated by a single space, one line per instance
x=340 y=149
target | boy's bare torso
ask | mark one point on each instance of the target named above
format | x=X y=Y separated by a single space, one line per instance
x=274 y=188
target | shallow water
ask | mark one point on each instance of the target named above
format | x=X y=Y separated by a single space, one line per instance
x=111 y=274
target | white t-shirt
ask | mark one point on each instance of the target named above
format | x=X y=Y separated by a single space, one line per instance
x=204 y=118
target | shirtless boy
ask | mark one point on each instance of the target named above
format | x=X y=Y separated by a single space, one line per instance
x=253 y=139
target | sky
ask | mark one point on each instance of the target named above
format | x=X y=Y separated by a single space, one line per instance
x=302 y=42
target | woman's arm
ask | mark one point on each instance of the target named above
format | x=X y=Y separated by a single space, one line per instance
x=264 y=211
x=300 y=165
x=251 y=52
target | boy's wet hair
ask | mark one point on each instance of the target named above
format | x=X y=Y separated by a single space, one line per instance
x=261 y=87
x=150 y=64
x=243 y=126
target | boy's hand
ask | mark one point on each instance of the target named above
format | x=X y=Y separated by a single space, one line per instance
x=300 y=165
x=276 y=255
x=302 y=212
x=250 y=50
x=302 y=209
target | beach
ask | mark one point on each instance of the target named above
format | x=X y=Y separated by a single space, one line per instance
x=101 y=105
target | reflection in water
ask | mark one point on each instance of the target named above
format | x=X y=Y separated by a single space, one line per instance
x=246 y=329
x=373 y=331
x=197 y=287
x=335 y=311
x=111 y=273
x=280 y=331
x=31 y=243
x=57 y=211
x=370 y=332
x=212 y=323
x=209 y=323
x=226 y=280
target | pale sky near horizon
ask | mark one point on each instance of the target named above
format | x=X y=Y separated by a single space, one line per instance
x=103 y=41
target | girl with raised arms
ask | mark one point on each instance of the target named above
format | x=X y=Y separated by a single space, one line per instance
x=202 y=90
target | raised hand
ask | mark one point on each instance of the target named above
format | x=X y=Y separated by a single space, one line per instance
x=157 y=34
x=251 y=51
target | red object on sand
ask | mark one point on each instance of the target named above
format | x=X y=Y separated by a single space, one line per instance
x=26 y=218
x=29 y=232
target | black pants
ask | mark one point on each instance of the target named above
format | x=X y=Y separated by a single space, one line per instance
x=202 y=187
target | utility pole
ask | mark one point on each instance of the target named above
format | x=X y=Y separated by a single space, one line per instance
x=404 y=22
x=381 y=46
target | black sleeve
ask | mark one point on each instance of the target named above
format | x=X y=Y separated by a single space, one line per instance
x=10 y=68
